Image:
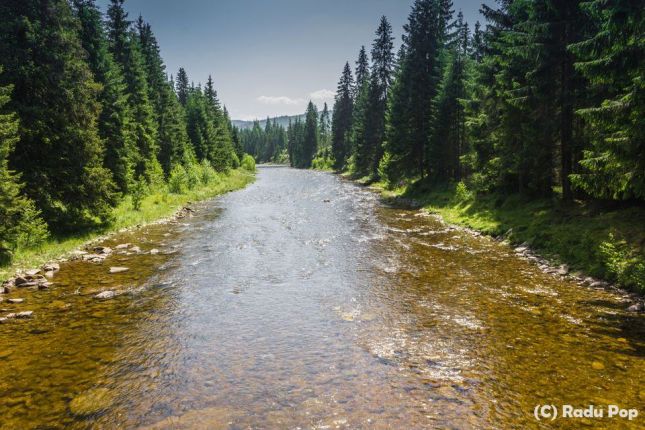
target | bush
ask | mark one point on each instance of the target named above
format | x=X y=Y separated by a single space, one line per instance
x=627 y=267
x=193 y=175
x=462 y=193
x=139 y=191
x=178 y=180
x=248 y=163
x=207 y=173
x=323 y=160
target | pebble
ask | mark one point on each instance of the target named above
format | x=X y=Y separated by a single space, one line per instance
x=118 y=269
x=15 y=301
x=105 y=295
x=154 y=251
x=135 y=249
x=122 y=246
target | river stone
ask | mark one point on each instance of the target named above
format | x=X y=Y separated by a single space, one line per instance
x=91 y=402
x=154 y=251
x=135 y=249
x=105 y=295
x=32 y=272
x=563 y=270
x=118 y=269
x=103 y=250
x=636 y=307
x=122 y=246
x=597 y=365
x=15 y=301
x=50 y=267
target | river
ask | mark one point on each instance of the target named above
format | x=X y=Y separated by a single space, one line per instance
x=303 y=302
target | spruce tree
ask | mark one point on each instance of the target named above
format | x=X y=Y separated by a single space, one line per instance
x=310 y=143
x=59 y=154
x=127 y=51
x=20 y=222
x=342 y=119
x=182 y=86
x=379 y=86
x=360 y=160
x=613 y=61
x=115 y=120
x=411 y=107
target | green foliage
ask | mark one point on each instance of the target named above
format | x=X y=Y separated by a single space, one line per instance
x=178 y=181
x=248 y=163
x=20 y=221
x=59 y=154
x=139 y=192
x=342 y=119
x=323 y=160
x=623 y=263
x=264 y=144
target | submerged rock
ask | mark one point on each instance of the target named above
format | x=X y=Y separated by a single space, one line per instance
x=135 y=249
x=50 y=267
x=109 y=294
x=154 y=251
x=122 y=246
x=102 y=250
x=15 y=301
x=118 y=269
x=563 y=270
x=91 y=402
x=636 y=307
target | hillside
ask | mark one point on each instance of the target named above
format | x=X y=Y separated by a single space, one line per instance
x=282 y=120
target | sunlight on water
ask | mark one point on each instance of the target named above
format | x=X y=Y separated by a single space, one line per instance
x=302 y=302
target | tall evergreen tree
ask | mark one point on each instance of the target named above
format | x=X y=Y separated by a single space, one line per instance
x=59 y=154
x=613 y=61
x=115 y=120
x=182 y=86
x=310 y=144
x=20 y=222
x=127 y=51
x=359 y=162
x=381 y=80
x=342 y=119
x=325 y=127
x=411 y=107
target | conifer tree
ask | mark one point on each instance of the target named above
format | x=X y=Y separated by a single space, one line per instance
x=310 y=143
x=127 y=51
x=359 y=161
x=20 y=222
x=182 y=86
x=115 y=120
x=59 y=154
x=613 y=61
x=342 y=119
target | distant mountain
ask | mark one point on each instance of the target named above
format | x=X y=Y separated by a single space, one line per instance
x=282 y=120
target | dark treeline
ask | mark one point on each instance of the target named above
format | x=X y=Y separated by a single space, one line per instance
x=546 y=99
x=90 y=116
x=304 y=143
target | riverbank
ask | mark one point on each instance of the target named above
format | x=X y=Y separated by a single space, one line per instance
x=591 y=240
x=154 y=207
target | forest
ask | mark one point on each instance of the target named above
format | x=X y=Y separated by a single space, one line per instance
x=90 y=118
x=543 y=103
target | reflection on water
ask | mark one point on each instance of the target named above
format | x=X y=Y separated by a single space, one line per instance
x=301 y=302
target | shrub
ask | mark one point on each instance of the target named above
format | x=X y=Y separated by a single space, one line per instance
x=139 y=191
x=178 y=180
x=193 y=175
x=626 y=266
x=248 y=163
x=207 y=173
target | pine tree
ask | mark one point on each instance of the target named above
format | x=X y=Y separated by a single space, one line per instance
x=115 y=120
x=342 y=119
x=613 y=61
x=380 y=82
x=182 y=86
x=59 y=154
x=20 y=222
x=411 y=106
x=127 y=51
x=222 y=152
x=325 y=127
x=310 y=144
x=359 y=159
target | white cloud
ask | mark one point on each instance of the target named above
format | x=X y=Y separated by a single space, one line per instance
x=322 y=95
x=280 y=100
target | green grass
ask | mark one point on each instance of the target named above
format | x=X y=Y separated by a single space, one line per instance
x=153 y=207
x=601 y=242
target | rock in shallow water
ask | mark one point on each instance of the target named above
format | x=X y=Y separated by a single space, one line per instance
x=91 y=402
x=118 y=269
x=105 y=295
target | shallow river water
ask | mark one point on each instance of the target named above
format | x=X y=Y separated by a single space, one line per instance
x=303 y=302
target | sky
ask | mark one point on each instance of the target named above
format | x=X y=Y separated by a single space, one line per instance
x=270 y=57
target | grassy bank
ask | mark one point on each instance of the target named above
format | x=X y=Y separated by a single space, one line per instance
x=604 y=243
x=153 y=207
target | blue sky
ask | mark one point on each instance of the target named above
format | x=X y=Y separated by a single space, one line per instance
x=269 y=57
